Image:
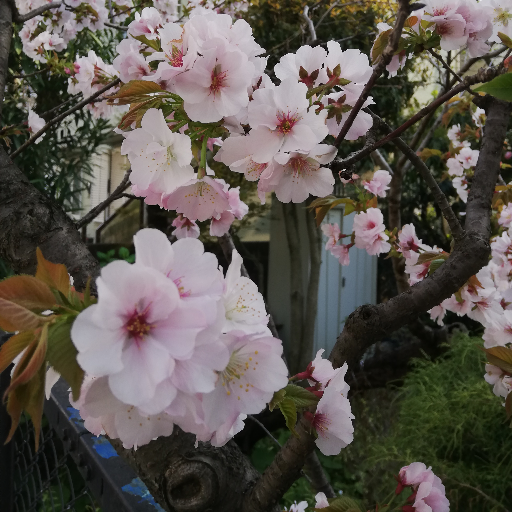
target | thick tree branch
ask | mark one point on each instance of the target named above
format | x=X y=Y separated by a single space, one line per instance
x=118 y=193
x=370 y=323
x=30 y=220
x=403 y=13
x=60 y=117
x=5 y=45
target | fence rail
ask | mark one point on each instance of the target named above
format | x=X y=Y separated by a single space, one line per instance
x=72 y=470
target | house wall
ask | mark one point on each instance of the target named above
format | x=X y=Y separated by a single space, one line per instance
x=341 y=291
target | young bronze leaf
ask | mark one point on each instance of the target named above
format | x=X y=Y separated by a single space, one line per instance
x=13 y=347
x=27 y=291
x=500 y=357
x=62 y=354
x=33 y=359
x=14 y=317
x=133 y=91
x=55 y=275
x=28 y=397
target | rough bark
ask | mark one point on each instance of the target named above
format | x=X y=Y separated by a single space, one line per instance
x=183 y=478
x=369 y=323
x=5 y=45
x=30 y=220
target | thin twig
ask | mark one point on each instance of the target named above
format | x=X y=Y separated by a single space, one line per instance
x=38 y=72
x=446 y=66
x=21 y=18
x=269 y=434
x=54 y=109
x=384 y=60
x=60 y=117
x=455 y=227
x=117 y=194
x=113 y=25
x=309 y=23
x=483 y=75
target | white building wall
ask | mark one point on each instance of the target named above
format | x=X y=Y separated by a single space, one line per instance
x=341 y=290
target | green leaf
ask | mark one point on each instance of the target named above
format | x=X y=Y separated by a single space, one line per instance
x=505 y=39
x=500 y=87
x=124 y=253
x=289 y=411
x=277 y=399
x=380 y=44
x=342 y=504
x=62 y=354
x=301 y=397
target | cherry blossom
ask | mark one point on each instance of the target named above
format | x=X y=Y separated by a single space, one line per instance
x=379 y=183
x=198 y=199
x=146 y=23
x=455 y=167
x=408 y=241
x=468 y=157
x=138 y=327
x=244 y=305
x=216 y=85
x=332 y=231
x=185 y=228
x=294 y=176
x=501 y=16
x=333 y=417
x=160 y=159
x=304 y=65
x=321 y=500
x=237 y=209
x=130 y=63
x=460 y=183
x=254 y=372
x=298 y=507
x=322 y=372
x=340 y=252
x=35 y=123
x=505 y=218
x=280 y=121
x=369 y=232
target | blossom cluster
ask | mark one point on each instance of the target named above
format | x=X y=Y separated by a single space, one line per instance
x=429 y=493
x=171 y=341
x=332 y=420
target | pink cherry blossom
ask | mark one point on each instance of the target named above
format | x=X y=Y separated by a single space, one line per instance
x=160 y=159
x=505 y=218
x=198 y=199
x=35 y=123
x=102 y=413
x=236 y=152
x=294 y=176
x=455 y=167
x=237 y=209
x=244 y=304
x=321 y=500
x=369 y=232
x=216 y=85
x=408 y=240
x=255 y=371
x=450 y=25
x=322 y=372
x=333 y=417
x=138 y=327
x=130 y=63
x=379 y=183
x=341 y=253
x=308 y=58
x=501 y=14
x=298 y=507
x=332 y=231
x=185 y=228
x=280 y=121
x=431 y=497
x=146 y=23
x=460 y=183
x=468 y=157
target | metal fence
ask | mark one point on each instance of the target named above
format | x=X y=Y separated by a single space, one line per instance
x=72 y=469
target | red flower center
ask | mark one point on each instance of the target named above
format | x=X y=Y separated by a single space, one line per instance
x=286 y=121
x=138 y=326
x=218 y=80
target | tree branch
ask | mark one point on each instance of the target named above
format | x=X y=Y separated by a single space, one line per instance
x=5 y=45
x=369 y=323
x=483 y=75
x=445 y=65
x=21 y=18
x=455 y=227
x=117 y=194
x=403 y=13
x=60 y=117
x=309 y=22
